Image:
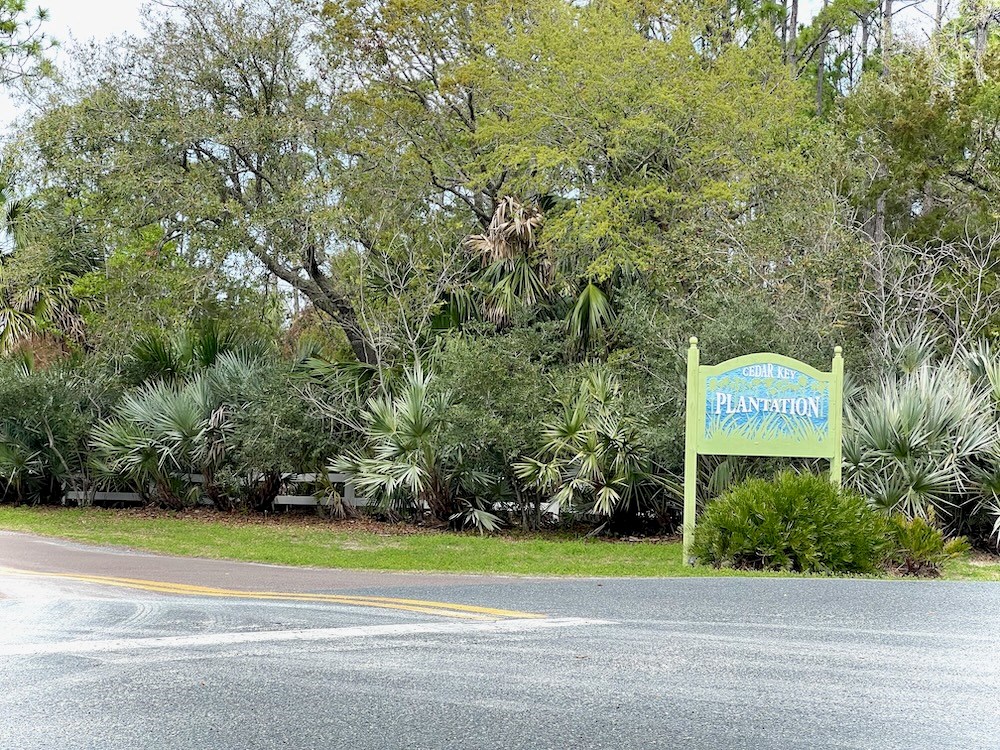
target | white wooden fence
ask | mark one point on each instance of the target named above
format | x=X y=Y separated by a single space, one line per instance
x=349 y=496
x=81 y=497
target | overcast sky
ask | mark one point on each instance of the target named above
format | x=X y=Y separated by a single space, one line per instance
x=84 y=19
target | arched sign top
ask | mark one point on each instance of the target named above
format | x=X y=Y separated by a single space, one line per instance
x=761 y=404
x=759 y=359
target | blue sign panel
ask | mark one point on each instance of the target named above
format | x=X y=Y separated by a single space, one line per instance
x=766 y=400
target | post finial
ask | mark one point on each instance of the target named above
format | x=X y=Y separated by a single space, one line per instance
x=693 y=341
x=838 y=350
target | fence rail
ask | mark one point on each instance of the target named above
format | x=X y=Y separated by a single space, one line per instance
x=101 y=497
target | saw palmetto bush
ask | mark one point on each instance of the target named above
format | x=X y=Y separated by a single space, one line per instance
x=405 y=462
x=155 y=439
x=43 y=428
x=163 y=432
x=920 y=549
x=798 y=522
x=983 y=516
x=914 y=444
x=923 y=441
x=176 y=357
x=593 y=458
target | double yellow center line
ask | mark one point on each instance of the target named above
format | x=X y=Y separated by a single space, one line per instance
x=422 y=606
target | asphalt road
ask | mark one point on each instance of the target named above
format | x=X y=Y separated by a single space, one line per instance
x=105 y=649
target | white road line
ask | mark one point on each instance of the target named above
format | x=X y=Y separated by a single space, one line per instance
x=278 y=636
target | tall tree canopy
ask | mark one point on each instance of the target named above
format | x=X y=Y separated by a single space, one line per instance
x=370 y=156
x=325 y=142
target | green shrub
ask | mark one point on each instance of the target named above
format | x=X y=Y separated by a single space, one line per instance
x=916 y=444
x=922 y=441
x=166 y=430
x=797 y=522
x=919 y=549
x=406 y=463
x=43 y=425
x=593 y=458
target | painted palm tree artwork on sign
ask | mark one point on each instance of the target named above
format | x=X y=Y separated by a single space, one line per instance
x=766 y=402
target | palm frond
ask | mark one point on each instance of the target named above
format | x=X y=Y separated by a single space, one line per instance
x=591 y=314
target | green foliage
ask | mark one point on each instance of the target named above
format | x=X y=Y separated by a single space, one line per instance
x=914 y=443
x=922 y=439
x=232 y=182
x=920 y=549
x=157 y=356
x=279 y=428
x=591 y=314
x=502 y=386
x=35 y=294
x=44 y=417
x=515 y=274
x=593 y=457
x=796 y=522
x=917 y=140
x=405 y=463
x=510 y=194
x=147 y=285
x=648 y=146
x=23 y=43
x=164 y=431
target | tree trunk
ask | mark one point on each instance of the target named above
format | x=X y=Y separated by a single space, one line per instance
x=263 y=492
x=820 y=76
x=982 y=25
x=793 y=32
x=886 y=35
x=438 y=499
x=346 y=318
x=784 y=27
x=820 y=72
x=886 y=42
x=879 y=233
x=319 y=289
x=342 y=310
x=864 y=43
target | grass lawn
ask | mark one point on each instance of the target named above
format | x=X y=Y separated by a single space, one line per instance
x=366 y=546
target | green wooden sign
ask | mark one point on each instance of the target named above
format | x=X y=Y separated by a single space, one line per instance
x=760 y=405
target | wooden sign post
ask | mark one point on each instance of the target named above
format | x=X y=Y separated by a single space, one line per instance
x=760 y=405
